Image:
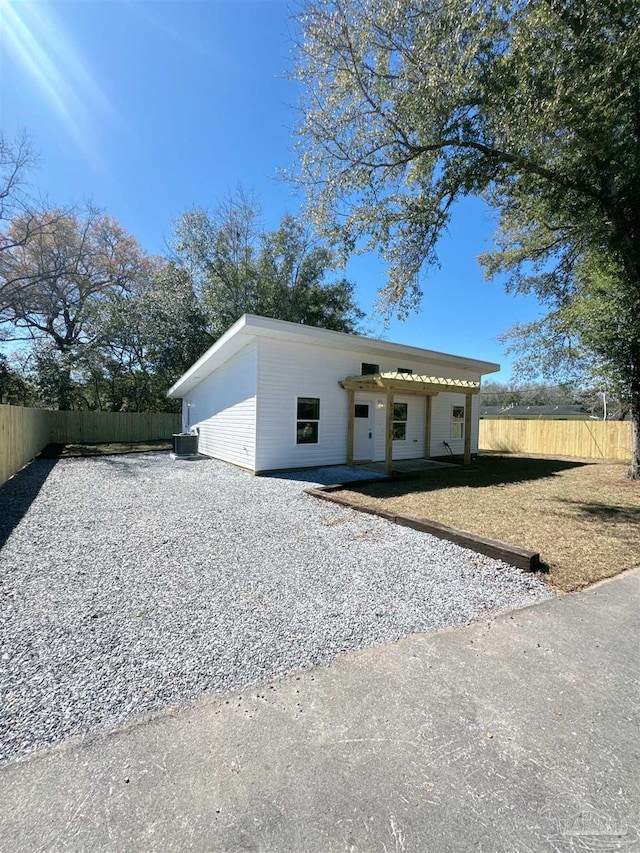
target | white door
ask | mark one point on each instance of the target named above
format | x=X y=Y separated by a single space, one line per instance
x=363 y=432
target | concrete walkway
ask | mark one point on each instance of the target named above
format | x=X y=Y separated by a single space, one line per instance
x=519 y=734
x=406 y=466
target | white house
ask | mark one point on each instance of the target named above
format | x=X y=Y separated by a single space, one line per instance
x=271 y=395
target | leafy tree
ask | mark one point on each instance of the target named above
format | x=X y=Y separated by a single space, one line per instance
x=535 y=394
x=52 y=376
x=587 y=338
x=174 y=322
x=15 y=389
x=410 y=104
x=219 y=249
x=55 y=281
x=240 y=268
x=291 y=272
x=148 y=337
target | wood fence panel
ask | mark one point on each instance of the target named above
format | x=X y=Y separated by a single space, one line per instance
x=96 y=427
x=586 y=439
x=25 y=432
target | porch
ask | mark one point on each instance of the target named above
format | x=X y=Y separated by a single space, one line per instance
x=390 y=385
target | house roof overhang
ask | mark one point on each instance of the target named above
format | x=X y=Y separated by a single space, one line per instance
x=249 y=327
x=410 y=383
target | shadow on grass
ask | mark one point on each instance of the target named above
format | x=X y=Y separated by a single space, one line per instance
x=604 y=512
x=484 y=472
x=18 y=493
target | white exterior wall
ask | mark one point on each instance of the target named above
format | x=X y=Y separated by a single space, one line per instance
x=413 y=446
x=224 y=409
x=441 y=424
x=288 y=370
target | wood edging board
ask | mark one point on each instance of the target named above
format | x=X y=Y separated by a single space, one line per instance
x=521 y=558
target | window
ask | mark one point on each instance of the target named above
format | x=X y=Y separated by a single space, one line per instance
x=457 y=422
x=308 y=417
x=361 y=410
x=369 y=369
x=399 y=421
x=404 y=370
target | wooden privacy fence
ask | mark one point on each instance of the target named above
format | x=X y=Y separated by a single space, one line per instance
x=587 y=439
x=24 y=432
x=94 y=427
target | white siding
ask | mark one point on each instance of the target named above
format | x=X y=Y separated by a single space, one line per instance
x=224 y=410
x=413 y=446
x=288 y=370
x=441 y=424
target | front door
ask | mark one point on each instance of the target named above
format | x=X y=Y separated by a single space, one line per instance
x=363 y=432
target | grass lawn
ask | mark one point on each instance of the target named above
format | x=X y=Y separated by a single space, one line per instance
x=582 y=516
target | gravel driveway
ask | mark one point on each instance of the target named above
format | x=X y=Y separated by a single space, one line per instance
x=134 y=582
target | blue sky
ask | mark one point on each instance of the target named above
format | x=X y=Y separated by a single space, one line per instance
x=150 y=108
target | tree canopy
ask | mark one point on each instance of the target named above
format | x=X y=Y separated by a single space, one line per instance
x=108 y=327
x=408 y=105
x=242 y=268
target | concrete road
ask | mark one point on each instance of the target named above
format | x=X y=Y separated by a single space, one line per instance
x=519 y=734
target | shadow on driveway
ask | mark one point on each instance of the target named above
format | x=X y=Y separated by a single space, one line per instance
x=18 y=493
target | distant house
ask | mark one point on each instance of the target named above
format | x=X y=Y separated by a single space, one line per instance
x=271 y=395
x=557 y=413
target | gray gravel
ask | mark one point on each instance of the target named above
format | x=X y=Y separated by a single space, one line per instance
x=129 y=583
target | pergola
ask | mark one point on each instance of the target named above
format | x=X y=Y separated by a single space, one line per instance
x=408 y=383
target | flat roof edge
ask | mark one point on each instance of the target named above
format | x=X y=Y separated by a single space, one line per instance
x=253 y=325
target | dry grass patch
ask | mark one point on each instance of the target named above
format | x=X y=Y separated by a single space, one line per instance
x=582 y=516
x=114 y=447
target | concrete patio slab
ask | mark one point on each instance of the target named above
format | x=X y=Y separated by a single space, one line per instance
x=516 y=734
x=407 y=466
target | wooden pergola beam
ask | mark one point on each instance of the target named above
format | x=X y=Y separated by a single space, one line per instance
x=408 y=385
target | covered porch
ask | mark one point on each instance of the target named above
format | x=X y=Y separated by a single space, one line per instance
x=393 y=384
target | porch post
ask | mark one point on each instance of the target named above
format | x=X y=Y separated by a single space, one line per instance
x=467 y=428
x=427 y=426
x=388 y=445
x=351 y=395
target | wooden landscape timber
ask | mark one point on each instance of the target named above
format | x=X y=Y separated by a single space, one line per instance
x=521 y=558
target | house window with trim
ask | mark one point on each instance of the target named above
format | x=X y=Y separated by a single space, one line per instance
x=307 y=420
x=457 y=422
x=369 y=369
x=400 y=421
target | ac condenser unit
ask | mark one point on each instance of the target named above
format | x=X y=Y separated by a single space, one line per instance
x=185 y=444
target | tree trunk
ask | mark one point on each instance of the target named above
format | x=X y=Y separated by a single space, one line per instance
x=631 y=257
x=634 y=470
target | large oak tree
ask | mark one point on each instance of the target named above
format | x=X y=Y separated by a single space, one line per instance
x=59 y=270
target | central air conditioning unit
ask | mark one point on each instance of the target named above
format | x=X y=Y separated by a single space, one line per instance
x=185 y=444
